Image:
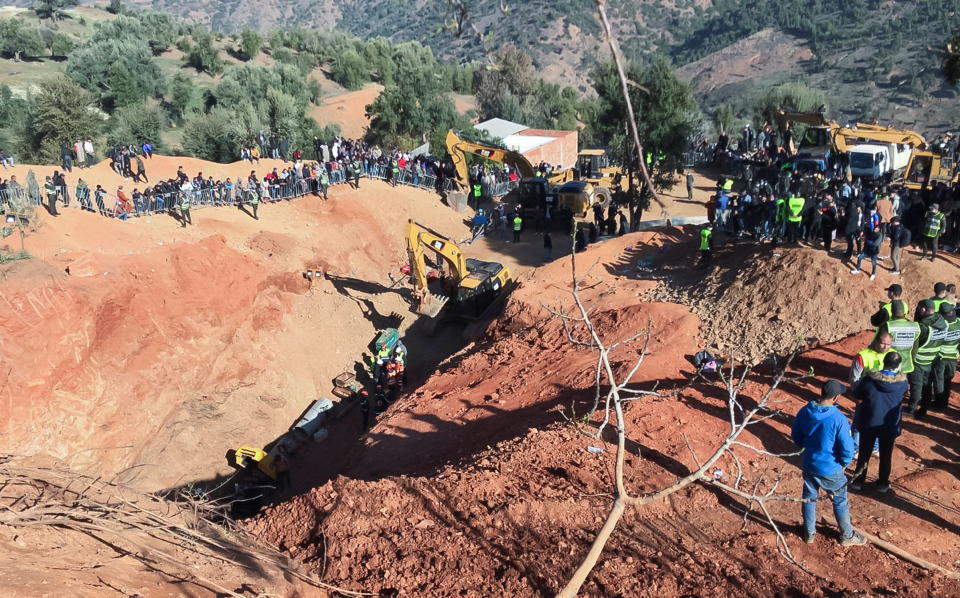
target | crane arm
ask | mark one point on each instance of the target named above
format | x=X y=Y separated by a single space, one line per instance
x=459 y=148
x=884 y=134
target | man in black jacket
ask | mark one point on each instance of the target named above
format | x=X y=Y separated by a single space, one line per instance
x=900 y=238
x=878 y=417
x=853 y=229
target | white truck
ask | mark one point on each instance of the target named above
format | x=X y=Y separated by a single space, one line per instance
x=879 y=161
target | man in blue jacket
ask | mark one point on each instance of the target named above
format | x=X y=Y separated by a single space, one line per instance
x=824 y=434
x=878 y=416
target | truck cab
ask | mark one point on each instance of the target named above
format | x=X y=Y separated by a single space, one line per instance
x=878 y=161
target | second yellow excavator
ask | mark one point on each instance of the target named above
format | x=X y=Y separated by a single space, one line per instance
x=467 y=288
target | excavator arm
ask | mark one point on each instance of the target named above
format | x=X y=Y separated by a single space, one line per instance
x=844 y=137
x=420 y=238
x=459 y=148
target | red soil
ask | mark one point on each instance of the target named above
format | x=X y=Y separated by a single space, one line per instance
x=474 y=485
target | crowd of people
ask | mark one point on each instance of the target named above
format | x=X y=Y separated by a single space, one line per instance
x=343 y=161
x=769 y=200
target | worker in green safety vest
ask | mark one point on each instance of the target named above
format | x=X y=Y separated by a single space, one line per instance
x=517 y=226
x=185 y=218
x=706 y=245
x=254 y=204
x=946 y=364
x=477 y=192
x=904 y=334
x=794 y=216
x=934 y=224
x=939 y=295
x=779 y=219
x=933 y=329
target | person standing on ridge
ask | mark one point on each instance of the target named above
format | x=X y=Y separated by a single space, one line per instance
x=934 y=224
x=706 y=245
x=824 y=434
x=900 y=238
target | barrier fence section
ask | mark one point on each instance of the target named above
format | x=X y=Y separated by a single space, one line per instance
x=238 y=195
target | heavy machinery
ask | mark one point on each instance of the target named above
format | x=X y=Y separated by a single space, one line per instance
x=468 y=288
x=534 y=194
x=825 y=139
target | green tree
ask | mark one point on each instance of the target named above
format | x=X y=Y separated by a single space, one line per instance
x=136 y=124
x=52 y=9
x=950 y=65
x=181 y=94
x=723 y=118
x=17 y=39
x=350 y=70
x=664 y=108
x=250 y=43
x=789 y=97
x=115 y=7
x=101 y=64
x=60 y=111
x=203 y=56
x=61 y=45
x=511 y=74
x=219 y=134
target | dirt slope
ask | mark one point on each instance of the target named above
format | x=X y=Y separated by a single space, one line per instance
x=474 y=485
x=167 y=346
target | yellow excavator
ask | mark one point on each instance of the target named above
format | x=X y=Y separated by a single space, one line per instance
x=468 y=288
x=568 y=197
x=874 y=151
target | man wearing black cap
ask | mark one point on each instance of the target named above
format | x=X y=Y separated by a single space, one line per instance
x=933 y=329
x=894 y=293
x=945 y=366
x=824 y=434
x=939 y=295
x=880 y=394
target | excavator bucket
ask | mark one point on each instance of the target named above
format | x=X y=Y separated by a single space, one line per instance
x=431 y=305
x=457 y=200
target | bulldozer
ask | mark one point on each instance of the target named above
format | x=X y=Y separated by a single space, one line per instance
x=468 y=289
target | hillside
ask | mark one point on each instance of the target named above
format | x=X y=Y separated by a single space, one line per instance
x=871 y=58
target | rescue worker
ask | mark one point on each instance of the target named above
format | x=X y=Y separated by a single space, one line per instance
x=357 y=170
x=779 y=219
x=51 y=191
x=324 y=180
x=945 y=366
x=517 y=226
x=904 y=334
x=254 y=204
x=869 y=359
x=934 y=224
x=933 y=329
x=939 y=295
x=185 y=218
x=706 y=245
x=477 y=192
x=794 y=217
x=885 y=313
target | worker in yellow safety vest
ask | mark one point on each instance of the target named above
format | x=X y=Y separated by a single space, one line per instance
x=868 y=360
x=794 y=217
x=706 y=245
x=885 y=313
x=517 y=226
x=939 y=295
x=934 y=225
